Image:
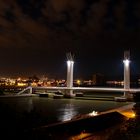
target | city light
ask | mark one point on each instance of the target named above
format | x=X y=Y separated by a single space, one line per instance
x=129 y=113
x=78 y=82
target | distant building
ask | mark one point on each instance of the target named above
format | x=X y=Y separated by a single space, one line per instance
x=87 y=83
x=115 y=83
x=98 y=79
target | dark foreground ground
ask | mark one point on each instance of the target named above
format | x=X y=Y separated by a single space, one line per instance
x=112 y=126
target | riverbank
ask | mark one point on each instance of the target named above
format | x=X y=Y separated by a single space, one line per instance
x=86 y=126
x=55 y=96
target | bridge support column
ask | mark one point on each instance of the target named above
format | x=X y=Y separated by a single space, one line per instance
x=70 y=65
x=30 y=90
x=126 y=62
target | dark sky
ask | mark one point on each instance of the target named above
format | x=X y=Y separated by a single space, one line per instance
x=35 y=36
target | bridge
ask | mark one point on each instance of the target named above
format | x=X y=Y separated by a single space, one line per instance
x=69 y=89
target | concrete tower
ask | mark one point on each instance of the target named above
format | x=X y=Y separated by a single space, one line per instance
x=70 y=65
x=126 y=62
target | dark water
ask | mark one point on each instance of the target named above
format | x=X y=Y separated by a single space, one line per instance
x=29 y=112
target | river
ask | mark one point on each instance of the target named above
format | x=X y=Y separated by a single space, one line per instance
x=36 y=111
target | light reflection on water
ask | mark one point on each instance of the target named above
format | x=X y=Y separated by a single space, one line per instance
x=29 y=105
x=67 y=112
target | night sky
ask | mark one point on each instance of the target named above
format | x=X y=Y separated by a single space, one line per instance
x=35 y=36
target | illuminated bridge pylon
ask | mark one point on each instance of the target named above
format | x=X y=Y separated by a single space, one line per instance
x=70 y=66
x=126 y=62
